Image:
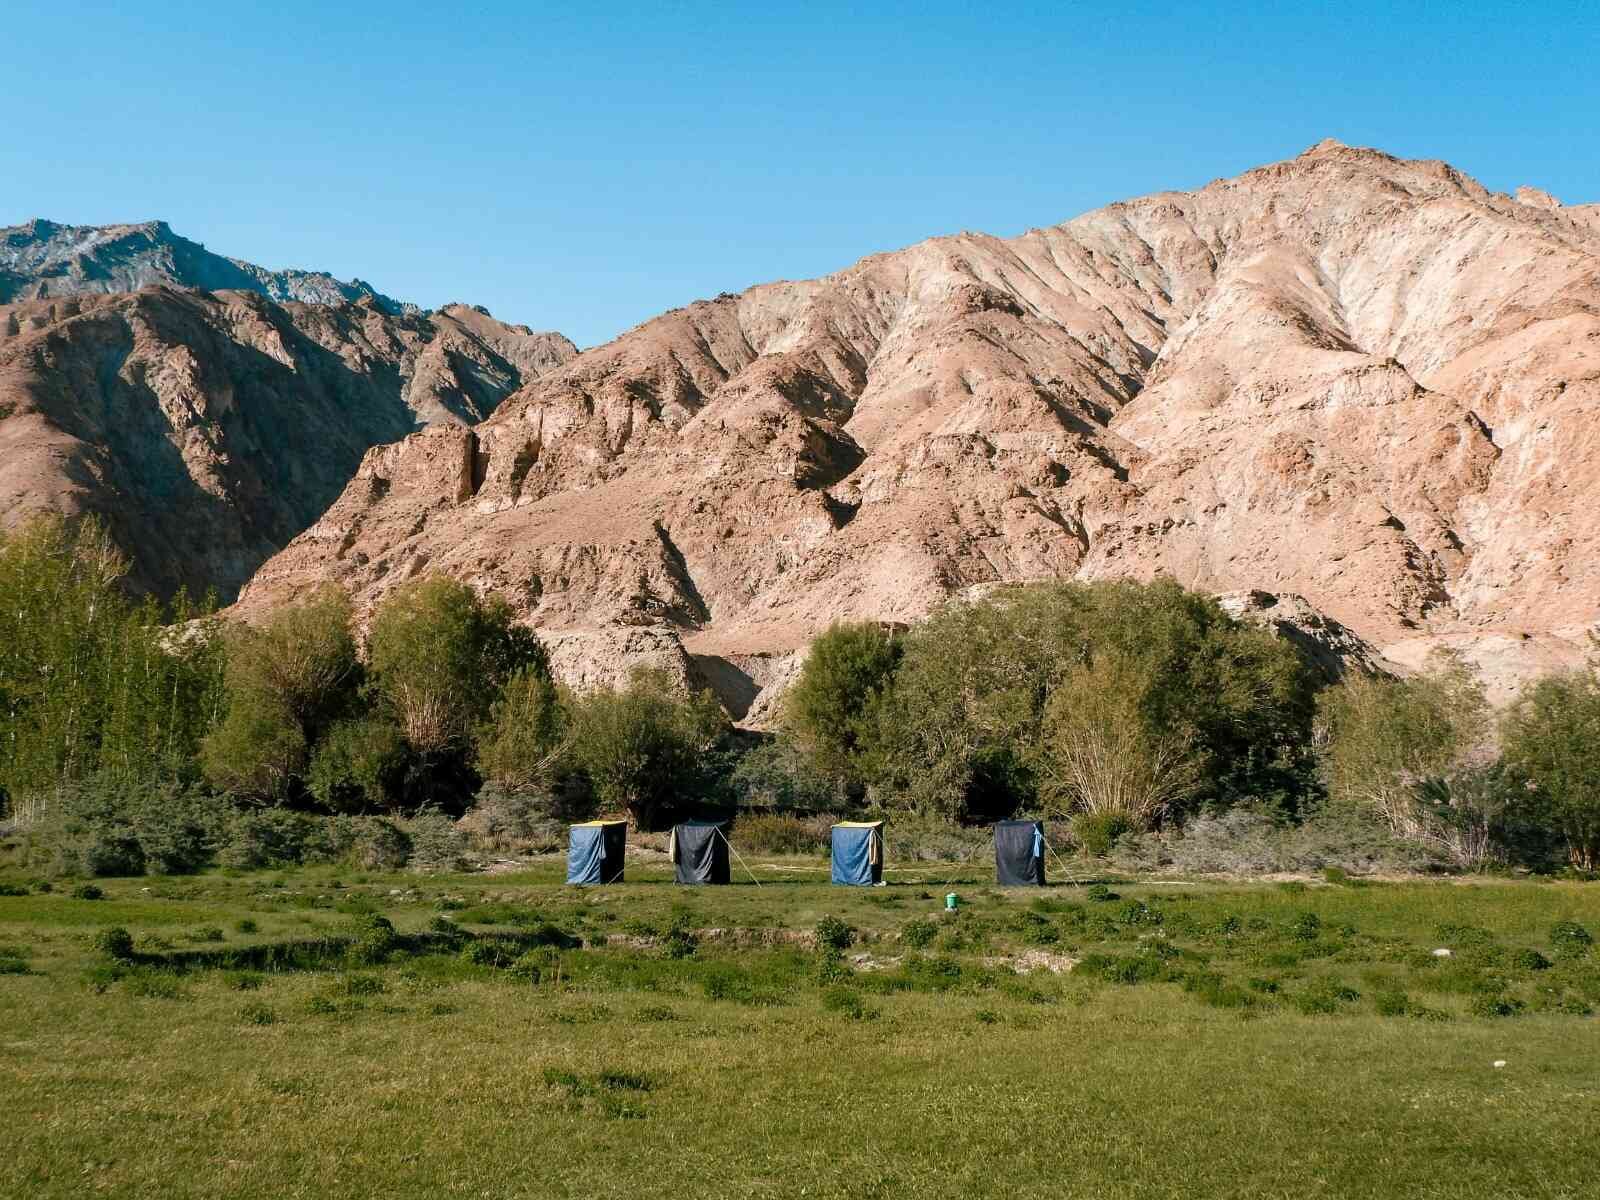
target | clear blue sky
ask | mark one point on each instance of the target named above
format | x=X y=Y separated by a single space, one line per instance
x=584 y=166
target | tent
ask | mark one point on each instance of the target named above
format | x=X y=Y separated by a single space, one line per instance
x=858 y=852
x=1019 y=853
x=595 y=851
x=700 y=852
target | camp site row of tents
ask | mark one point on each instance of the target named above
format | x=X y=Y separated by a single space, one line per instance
x=699 y=851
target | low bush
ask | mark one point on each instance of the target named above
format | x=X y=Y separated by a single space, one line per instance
x=88 y=891
x=781 y=833
x=1097 y=833
x=373 y=939
x=834 y=934
x=115 y=943
x=1570 y=939
x=919 y=933
x=436 y=844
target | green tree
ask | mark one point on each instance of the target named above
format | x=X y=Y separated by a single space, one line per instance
x=1104 y=758
x=359 y=766
x=1403 y=749
x=642 y=745
x=962 y=733
x=440 y=656
x=1551 y=740
x=287 y=680
x=520 y=745
x=831 y=710
x=91 y=684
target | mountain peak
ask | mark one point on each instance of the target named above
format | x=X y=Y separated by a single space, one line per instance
x=45 y=260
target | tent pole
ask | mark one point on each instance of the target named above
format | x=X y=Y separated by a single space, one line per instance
x=737 y=855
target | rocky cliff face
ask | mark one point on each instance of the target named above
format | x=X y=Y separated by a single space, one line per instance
x=1367 y=381
x=208 y=429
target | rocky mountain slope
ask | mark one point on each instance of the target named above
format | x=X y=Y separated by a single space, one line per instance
x=1364 y=380
x=208 y=428
x=1367 y=381
x=42 y=260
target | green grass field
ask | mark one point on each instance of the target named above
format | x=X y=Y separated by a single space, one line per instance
x=521 y=1038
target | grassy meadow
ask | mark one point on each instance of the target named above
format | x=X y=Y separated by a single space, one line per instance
x=515 y=1037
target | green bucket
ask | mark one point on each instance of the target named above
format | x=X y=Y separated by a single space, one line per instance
x=950 y=902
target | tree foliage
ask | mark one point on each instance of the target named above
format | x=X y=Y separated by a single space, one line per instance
x=964 y=731
x=287 y=681
x=520 y=745
x=1552 y=742
x=92 y=684
x=1404 y=749
x=641 y=745
x=439 y=657
x=833 y=709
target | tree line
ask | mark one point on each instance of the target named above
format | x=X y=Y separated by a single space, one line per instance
x=1117 y=707
x=1122 y=707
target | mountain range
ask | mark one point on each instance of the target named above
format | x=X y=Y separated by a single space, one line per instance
x=1365 y=381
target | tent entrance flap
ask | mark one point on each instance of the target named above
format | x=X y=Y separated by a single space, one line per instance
x=1019 y=853
x=596 y=851
x=858 y=853
x=700 y=852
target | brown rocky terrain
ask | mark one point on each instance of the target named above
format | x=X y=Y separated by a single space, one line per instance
x=208 y=429
x=1365 y=381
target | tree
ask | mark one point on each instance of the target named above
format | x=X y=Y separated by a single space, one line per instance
x=520 y=746
x=961 y=733
x=439 y=657
x=641 y=745
x=1104 y=757
x=1551 y=739
x=287 y=681
x=90 y=683
x=359 y=766
x=1404 y=749
x=832 y=708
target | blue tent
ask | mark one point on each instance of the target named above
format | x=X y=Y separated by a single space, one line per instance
x=858 y=853
x=595 y=851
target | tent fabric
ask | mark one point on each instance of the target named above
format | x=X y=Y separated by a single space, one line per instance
x=1019 y=853
x=596 y=851
x=858 y=853
x=700 y=852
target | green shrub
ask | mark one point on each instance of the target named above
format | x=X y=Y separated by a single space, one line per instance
x=1097 y=833
x=1570 y=939
x=115 y=943
x=1305 y=927
x=209 y=933
x=436 y=844
x=781 y=833
x=488 y=952
x=1100 y=893
x=362 y=985
x=244 y=981
x=834 y=934
x=379 y=845
x=88 y=891
x=373 y=939
x=13 y=889
x=1487 y=1005
x=919 y=933
x=1324 y=996
x=248 y=925
x=1528 y=959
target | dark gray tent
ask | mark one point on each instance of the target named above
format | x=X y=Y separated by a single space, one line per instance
x=700 y=852
x=595 y=851
x=1019 y=853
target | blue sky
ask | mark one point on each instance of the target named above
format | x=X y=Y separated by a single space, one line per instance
x=583 y=166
